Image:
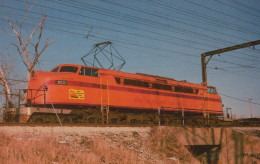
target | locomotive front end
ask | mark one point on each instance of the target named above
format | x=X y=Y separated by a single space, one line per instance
x=48 y=88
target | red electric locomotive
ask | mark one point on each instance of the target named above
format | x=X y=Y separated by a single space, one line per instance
x=85 y=94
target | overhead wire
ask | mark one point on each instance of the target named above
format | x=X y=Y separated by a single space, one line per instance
x=239 y=99
x=244 y=11
x=148 y=46
x=169 y=19
x=203 y=17
x=245 y=54
x=245 y=5
x=72 y=33
x=211 y=9
x=198 y=43
x=142 y=10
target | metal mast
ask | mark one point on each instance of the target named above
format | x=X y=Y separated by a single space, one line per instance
x=211 y=53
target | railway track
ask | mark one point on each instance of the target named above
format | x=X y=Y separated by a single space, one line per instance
x=254 y=122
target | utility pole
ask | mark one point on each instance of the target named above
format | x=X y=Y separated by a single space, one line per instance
x=211 y=53
x=250 y=104
x=229 y=112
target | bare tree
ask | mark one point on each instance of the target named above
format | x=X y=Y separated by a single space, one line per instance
x=29 y=59
x=5 y=84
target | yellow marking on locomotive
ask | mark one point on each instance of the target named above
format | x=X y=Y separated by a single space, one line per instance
x=76 y=94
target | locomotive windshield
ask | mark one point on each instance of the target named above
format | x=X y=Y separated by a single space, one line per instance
x=89 y=72
x=68 y=69
x=55 y=69
x=212 y=90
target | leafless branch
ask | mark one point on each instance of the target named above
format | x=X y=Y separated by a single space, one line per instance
x=5 y=83
x=21 y=55
x=12 y=27
x=27 y=10
x=22 y=48
x=31 y=35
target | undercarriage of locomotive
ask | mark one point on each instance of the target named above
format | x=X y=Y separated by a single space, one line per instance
x=112 y=116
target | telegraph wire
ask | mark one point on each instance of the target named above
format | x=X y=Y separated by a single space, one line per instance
x=141 y=21
x=153 y=23
x=182 y=39
x=246 y=6
x=226 y=4
x=197 y=15
x=243 y=66
x=149 y=47
x=139 y=35
x=88 y=17
x=221 y=12
x=117 y=24
x=242 y=100
x=45 y=6
x=182 y=22
x=179 y=38
x=15 y=80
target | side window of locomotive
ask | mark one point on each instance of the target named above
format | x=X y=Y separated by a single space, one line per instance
x=212 y=90
x=183 y=89
x=55 y=69
x=68 y=69
x=94 y=72
x=136 y=83
x=161 y=87
x=89 y=72
x=117 y=80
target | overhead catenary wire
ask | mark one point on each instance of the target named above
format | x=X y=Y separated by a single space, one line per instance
x=164 y=50
x=211 y=9
x=169 y=19
x=203 y=17
x=245 y=5
x=135 y=18
x=142 y=30
x=158 y=33
x=157 y=48
x=239 y=99
x=128 y=26
x=239 y=9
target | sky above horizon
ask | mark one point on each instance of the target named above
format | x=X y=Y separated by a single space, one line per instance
x=164 y=38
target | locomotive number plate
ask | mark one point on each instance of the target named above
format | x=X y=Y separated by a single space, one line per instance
x=76 y=94
x=61 y=82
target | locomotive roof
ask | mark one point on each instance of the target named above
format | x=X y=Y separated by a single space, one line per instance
x=132 y=75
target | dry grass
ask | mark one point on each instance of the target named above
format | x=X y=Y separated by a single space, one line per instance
x=32 y=149
x=160 y=147
x=164 y=142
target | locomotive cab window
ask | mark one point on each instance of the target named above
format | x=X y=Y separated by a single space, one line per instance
x=69 y=69
x=212 y=90
x=55 y=69
x=89 y=72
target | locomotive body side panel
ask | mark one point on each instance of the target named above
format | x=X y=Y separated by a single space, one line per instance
x=87 y=86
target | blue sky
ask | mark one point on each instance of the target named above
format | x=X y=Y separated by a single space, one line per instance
x=163 y=38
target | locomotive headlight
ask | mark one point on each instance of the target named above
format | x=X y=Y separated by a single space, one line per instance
x=61 y=82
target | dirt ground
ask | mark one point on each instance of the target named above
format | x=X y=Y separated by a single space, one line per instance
x=154 y=145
